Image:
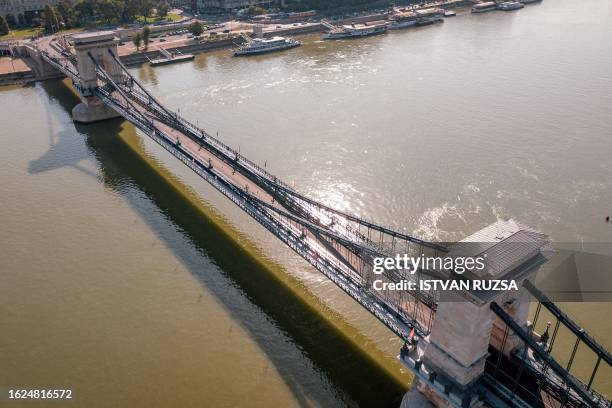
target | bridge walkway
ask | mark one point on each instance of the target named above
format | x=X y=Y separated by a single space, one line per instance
x=345 y=258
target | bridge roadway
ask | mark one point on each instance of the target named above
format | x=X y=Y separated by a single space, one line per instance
x=340 y=255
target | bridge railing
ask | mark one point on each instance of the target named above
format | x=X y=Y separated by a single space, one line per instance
x=396 y=306
x=65 y=68
x=588 y=363
x=531 y=375
x=290 y=193
x=263 y=175
x=173 y=118
x=580 y=335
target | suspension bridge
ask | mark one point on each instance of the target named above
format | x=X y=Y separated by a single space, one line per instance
x=478 y=350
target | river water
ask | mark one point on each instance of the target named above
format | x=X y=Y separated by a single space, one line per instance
x=126 y=278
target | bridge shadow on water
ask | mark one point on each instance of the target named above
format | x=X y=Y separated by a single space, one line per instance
x=360 y=380
x=62 y=150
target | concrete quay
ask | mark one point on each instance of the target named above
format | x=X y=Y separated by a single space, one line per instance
x=14 y=71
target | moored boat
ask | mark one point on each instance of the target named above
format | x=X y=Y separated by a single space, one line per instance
x=484 y=7
x=510 y=5
x=172 y=60
x=355 y=30
x=169 y=57
x=403 y=20
x=262 y=45
x=429 y=16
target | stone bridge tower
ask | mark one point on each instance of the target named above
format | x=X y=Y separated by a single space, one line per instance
x=91 y=109
x=465 y=325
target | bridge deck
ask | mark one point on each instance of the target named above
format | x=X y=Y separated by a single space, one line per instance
x=349 y=263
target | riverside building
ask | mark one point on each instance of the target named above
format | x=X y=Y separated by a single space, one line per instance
x=22 y=11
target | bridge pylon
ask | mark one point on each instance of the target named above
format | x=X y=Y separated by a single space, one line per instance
x=95 y=45
x=453 y=358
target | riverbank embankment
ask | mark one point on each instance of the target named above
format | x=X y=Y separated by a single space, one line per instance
x=30 y=68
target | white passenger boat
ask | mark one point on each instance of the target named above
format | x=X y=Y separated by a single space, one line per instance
x=355 y=30
x=402 y=20
x=510 y=5
x=484 y=7
x=262 y=45
x=429 y=16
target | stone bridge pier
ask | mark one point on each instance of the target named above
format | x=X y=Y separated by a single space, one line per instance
x=465 y=326
x=92 y=109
